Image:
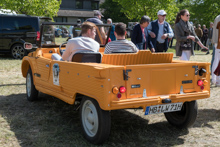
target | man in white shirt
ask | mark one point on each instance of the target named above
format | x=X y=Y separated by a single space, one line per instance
x=121 y=43
x=159 y=31
x=82 y=44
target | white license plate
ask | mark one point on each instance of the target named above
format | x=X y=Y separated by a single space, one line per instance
x=163 y=108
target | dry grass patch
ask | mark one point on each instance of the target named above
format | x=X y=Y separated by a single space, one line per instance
x=51 y=122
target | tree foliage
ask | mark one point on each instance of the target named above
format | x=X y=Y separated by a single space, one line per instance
x=113 y=10
x=135 y=9
x=47 y=8
x=201 y=11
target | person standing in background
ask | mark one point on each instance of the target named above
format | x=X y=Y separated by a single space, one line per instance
x=97 y=20
x=199 y=34
x=140 y=36
x=185 y=35
x=112 y=35
x=216 y=51
x=209 y=40
x=159 y=31
x=205 y=34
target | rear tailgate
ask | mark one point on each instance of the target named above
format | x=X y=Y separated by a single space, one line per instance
x=163 y=79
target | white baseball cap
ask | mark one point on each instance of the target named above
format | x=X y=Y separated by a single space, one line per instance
x=161 y=12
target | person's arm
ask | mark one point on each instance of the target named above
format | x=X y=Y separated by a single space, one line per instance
x=134 y=35
x=148 y=41
x=149 y=29
x=67 y=52
x=179 y=37
x=196 y=39
x=170 y=32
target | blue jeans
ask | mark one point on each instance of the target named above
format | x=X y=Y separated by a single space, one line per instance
x=140 y=46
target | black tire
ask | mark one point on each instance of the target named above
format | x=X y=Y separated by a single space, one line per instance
x=18 y=51
x=31 y=91
x=96 y=123
x=184 y=118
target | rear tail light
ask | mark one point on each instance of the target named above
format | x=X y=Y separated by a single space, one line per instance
x=119 y=95
x=115 y=90
x=122 y=89
x=202 y=87
x=38 y=36
x=200 y=83
x=118 y=91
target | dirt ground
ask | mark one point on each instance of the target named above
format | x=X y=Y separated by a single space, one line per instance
x=52 y=122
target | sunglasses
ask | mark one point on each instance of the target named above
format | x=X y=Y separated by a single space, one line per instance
x=163 y=15
x=188 y=15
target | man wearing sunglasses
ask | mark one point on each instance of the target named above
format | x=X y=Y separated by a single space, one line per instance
x=159 y=31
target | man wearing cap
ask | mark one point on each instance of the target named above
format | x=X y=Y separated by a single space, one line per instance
x=97 y=20
x=159 y=31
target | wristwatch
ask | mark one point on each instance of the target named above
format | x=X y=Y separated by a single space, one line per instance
x=167 y=35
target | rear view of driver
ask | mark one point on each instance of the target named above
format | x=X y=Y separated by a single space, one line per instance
x=82 y=44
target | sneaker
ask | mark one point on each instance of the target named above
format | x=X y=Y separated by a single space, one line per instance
x=207 y=53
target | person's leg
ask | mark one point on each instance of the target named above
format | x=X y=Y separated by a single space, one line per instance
x=207 y=45
x=171 y=43
x=160 y=47
x=213 y=56
x=185 y=55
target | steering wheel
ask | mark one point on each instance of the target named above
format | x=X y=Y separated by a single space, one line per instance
x=62 y=51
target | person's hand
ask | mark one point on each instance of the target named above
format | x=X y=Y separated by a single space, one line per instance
x=164 y=36
x=152 y=35
x=191 y=37
x=152 y=50
x=204 y=49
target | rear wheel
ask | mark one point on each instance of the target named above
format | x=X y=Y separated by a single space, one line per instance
x=18 y=51
x=96 y=123
x=184 y=118
x=32 y=93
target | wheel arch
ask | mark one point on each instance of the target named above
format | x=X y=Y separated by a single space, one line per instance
x=26 y=64
x=80 y=96
x=17 y=41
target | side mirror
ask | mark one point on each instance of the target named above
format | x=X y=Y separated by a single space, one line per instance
x=28 y=46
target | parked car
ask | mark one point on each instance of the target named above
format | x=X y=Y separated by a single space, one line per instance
x=103 y=83
x=130 y=28
x=15 y=30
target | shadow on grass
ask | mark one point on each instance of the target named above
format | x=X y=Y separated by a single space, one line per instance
x=6 y=57
x=51 y=122
x=13 y=84
x=205 y=116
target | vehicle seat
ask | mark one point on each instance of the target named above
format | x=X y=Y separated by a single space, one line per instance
x=94 y=57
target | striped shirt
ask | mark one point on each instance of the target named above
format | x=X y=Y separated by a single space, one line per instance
x=124 y=45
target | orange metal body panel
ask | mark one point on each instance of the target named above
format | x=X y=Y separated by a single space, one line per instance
x=155 y=74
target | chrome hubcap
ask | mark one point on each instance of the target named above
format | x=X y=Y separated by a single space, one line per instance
x=90 y=118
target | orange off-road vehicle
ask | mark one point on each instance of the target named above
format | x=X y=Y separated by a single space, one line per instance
x=105 y=82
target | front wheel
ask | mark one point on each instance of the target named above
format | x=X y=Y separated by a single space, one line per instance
x=32 y=93
x=184 y=118
x=96 y=123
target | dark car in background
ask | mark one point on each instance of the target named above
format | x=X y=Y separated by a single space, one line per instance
x=17 y=29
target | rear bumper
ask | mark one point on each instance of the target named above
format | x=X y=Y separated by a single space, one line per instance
x=157 y=100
